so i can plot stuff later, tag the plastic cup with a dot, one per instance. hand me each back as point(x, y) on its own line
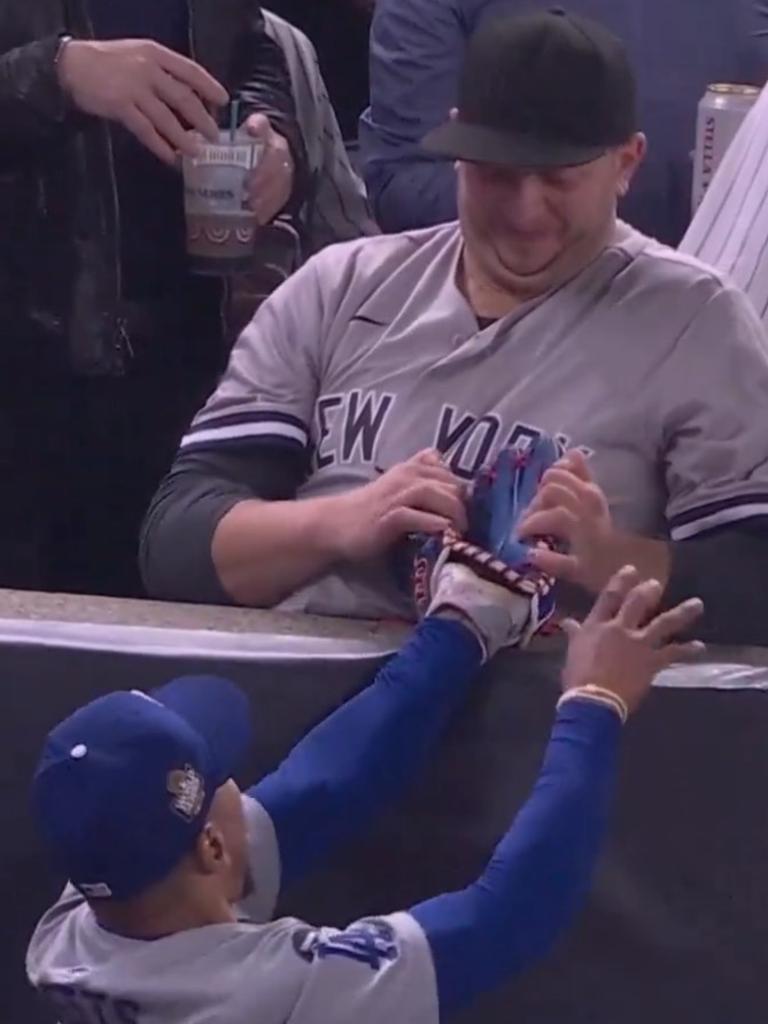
point(221, 230)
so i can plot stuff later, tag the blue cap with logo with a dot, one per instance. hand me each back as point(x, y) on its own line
point(124, 785)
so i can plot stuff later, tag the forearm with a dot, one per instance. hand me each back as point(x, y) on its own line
point(263, 551)
point(541, 871)
point(364, 755)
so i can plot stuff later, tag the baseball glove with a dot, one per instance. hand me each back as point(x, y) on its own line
point(491, 549)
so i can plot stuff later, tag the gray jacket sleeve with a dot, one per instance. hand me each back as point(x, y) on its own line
point(336, 207)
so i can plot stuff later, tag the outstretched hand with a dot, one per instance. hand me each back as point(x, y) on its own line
point(625, 641)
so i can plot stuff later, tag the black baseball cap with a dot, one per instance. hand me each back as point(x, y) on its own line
point(546, 89)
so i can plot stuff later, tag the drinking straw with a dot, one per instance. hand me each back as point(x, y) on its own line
point(234, 110)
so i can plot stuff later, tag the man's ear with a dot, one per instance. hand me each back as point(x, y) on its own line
point(631, 155)
point(210, 852)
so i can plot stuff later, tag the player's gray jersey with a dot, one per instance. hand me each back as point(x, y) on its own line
point(730, 228)
point(648, 359)
point(251, 972)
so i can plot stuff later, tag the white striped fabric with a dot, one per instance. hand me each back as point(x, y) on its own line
point(730, 229)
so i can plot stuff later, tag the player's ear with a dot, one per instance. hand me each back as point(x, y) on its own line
point(210, 852)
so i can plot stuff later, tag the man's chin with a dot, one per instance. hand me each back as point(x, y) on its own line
point(529, 269)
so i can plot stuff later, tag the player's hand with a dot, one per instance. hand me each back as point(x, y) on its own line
point(156, 94)
point(623, 643)
point(417, 496)
point(570, 507)
point(269, 186)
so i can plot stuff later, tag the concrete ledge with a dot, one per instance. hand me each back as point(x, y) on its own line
point(164, 629)
point(73, 608)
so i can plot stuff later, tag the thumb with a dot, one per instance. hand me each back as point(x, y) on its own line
point(570, 627)
point(258, 126)
point(429, 457)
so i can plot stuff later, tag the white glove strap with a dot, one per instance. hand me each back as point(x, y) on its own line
point(500, 617)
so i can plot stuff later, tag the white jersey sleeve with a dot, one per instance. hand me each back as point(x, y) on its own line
point(269, 389)
point(710, 391)
point(730, 228)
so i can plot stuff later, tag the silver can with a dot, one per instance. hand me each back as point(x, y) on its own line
point(721, 112)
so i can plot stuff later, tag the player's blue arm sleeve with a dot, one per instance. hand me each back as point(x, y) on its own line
point(541, 870)
point(348, 768)
point(415, 61)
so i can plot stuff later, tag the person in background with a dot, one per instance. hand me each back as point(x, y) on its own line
point(334, 205)
point(109, 344)
point(417, 50)
point(338, 29)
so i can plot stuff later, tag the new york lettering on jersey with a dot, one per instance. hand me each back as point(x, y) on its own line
point(350, 427)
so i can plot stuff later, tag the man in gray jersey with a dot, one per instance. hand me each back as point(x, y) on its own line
point(376, 382)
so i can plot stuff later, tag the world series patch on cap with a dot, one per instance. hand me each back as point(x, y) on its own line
point(124, 785)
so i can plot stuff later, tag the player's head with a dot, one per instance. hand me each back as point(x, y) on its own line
point(546, 141)
point(134, 792)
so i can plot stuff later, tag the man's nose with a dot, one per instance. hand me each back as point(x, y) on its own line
point(525, 202)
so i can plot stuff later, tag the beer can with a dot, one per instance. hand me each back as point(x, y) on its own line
point(721, 112)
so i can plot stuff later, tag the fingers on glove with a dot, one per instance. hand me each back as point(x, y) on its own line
point(402, 521)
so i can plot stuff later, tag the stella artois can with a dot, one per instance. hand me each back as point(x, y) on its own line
point(721, 112)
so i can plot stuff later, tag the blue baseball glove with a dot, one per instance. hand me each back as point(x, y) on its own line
point(491, 548)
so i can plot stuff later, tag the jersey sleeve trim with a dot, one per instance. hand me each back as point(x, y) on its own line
point(718, 513)
point(241, 428)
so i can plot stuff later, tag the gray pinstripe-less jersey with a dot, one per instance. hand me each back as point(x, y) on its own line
point(730, 229)
point(250, 972)
point(648, 359)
